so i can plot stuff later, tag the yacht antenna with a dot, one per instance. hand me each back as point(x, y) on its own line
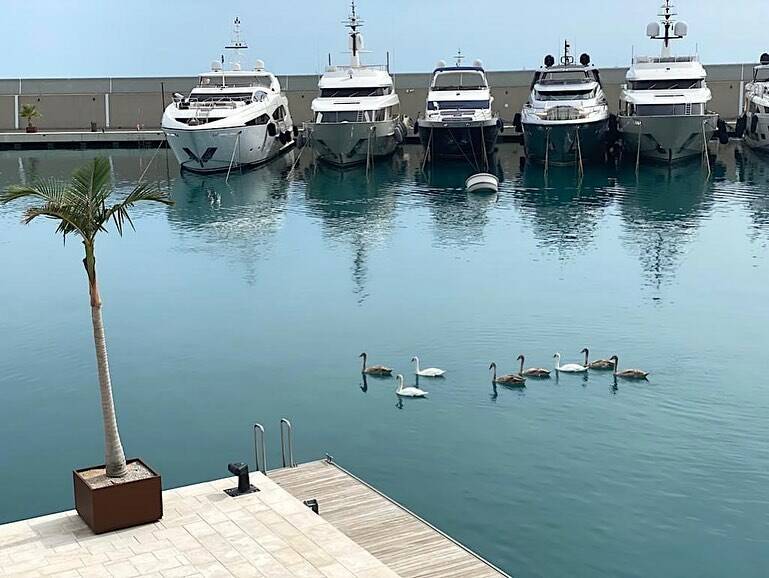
point(236, 45)
point(353, 22)
point(567, 58)
point(459, 57)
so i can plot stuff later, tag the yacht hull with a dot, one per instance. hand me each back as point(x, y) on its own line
point(468, 140)
point(351, 143)
point(667, 139)
point(563, 143)
point(757, 132)
point(213, 150)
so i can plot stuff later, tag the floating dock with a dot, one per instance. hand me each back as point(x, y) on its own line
point(395, 536)
point(359, 533)
point(81, 139)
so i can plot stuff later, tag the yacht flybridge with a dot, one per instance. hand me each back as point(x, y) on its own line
point(566, 118)
point(357, 112)
point(756, 119)
point(459, 121)
point(663, 107)
point(231, 118)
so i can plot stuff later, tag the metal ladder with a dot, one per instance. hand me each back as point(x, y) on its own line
point(286, 446)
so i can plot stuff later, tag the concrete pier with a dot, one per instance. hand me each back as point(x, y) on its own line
point(131, 103)
point(205, 532)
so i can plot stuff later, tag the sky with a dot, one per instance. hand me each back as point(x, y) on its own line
point(83, 38)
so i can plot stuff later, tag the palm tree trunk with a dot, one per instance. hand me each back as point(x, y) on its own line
point(114, 457)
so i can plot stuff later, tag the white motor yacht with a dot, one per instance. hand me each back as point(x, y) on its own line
point(566, 119)
point(663, 107)
point(755, 123)
point(357, 112)
point(232, 118)
point(459, 122)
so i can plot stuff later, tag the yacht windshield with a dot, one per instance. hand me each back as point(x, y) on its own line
point(235, 81)
point(565, 94)
point(564, 77)
point(762, 75)
point(462, 80)
point(341, 116)
point(353, 92)
point(665, 84)
point(457, 105)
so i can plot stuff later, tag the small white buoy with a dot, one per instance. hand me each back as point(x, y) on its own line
point(482, 183)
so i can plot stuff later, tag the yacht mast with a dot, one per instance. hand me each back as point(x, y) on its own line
point(670, 27)
point(353, 23)
point(236, 45)
point(459, 58)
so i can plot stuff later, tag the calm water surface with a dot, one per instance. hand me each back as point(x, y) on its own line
point(250, 300)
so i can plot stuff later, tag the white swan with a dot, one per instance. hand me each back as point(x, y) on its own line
point(569, 367)
point(429, 372)
point(408, 391)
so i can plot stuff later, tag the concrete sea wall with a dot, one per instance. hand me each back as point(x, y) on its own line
point(125, 103)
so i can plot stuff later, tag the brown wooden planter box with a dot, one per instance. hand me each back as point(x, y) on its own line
point(122, 505)
point(31, 129)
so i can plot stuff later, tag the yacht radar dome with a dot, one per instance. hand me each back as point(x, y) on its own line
point(584, 59)
point(478, 63)
point(765, 58)
point(667, 29)
point(259, 65)
point(441, 64)
point(216, 66)
point(549, 61)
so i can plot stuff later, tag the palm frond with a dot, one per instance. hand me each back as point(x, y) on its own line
point(68, 221)
point(49, 190)
point(147, 192)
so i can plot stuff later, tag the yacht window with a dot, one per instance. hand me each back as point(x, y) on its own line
point(762, 75)
point(667, 109)
point(280, 113)
point(665, 84)
point(342, 116)
point(565, 95)
point(353, 92)
point(464, 80)
point(261, 119)
point(221, 97)
point(380, 115)
point(457, 104)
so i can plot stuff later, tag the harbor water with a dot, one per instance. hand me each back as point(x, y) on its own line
point(250, 300)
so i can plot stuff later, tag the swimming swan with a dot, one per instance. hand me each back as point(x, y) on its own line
point(512, 379)
point(569, 367)
point(379, 370)
point(429, 372)
point(408, 391)
point(628, 373)
point(598, 363)
point(532, 371)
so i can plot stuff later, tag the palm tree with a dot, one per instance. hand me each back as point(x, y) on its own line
point(80, 208)
point(29, 111)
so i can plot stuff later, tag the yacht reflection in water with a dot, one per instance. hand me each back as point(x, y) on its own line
point(752, 188)
point(563, 211)
point(459, 217)
point(662, 207)
point(354, 207)
point(237, 217)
